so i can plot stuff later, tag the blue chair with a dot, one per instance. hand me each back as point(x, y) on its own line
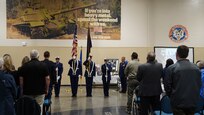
point(199, 108)
point(136, 103)
point(47, 107)
point(166, 106)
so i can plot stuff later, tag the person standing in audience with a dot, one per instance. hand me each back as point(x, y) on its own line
point(25, 60)
point(123, 78)
point(106, 77)
point(52, 73)
point(8, 92)
point(34, 78)
point(90, 72)
point(75, 72)
point(130, 73)
point(149, 75)
point(9, 67)
point(59, 71)
point(200, 64)
point(168, 63)
point(183, 83)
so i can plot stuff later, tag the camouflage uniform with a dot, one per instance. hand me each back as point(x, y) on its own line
point(131, 72)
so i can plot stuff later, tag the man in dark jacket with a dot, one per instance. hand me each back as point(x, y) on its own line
point(149, 76)
point(106, 77)
point(7, 92)
point(52, 72)
point(183, 83)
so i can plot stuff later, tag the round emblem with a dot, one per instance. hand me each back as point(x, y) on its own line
point(178, 33)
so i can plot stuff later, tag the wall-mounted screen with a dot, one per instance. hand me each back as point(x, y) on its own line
point(164, 53)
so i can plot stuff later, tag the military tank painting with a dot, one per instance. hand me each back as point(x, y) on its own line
point(50, 19)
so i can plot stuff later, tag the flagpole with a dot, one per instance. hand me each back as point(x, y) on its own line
point(80, 83)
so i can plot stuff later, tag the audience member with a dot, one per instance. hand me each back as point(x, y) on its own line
point(52, 73)
point(59, 70)
point(201, 66)
point(34, 78)
point(8, 92)
point(24, 60)
point(183, 83)
point(9, 67)
point(149, 75)
point(130, 73)
point(106, 77)
point(9, 56)
point(168, 63)
point(123, 78)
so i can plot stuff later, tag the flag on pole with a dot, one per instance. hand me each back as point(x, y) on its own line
point(81, 55)
point(75, 42)
point(89, 44)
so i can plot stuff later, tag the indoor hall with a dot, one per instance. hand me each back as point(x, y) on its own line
point(103, 30)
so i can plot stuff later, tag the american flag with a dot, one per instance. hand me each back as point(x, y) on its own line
point(75, 42)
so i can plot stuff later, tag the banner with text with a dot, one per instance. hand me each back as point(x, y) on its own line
point(57, 19)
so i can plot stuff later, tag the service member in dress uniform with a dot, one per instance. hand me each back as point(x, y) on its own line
point(122, 76)
point(75, 72)
point(106, 76)
point(90, 72)
point(59, 70)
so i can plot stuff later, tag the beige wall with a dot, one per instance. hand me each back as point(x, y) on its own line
point(99, 54)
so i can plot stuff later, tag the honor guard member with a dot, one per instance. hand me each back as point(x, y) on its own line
point(122, 76)
point(75, 72)
point(59, 70)
point(90, 72)
point(106, 76)
point(52, 72)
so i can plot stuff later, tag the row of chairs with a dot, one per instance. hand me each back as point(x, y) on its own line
point(165, 108)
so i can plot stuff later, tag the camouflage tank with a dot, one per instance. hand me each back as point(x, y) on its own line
point(40, 24)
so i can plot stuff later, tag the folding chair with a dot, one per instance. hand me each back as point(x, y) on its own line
point(166, 106)
point(199, 108)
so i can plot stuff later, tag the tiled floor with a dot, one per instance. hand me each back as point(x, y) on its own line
point(115, 104)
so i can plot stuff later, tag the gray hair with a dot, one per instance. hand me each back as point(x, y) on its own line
point(34, 54)
point(200, 64)
point(1, 63)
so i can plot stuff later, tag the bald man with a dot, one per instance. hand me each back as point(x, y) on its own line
point(149, 75)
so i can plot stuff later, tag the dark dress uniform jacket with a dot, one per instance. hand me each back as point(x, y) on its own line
point(183, 83)
point(75, 68)
point(149, 76)
point(106, 71)
point(52, 70)
point(122, 69)
point(60, 68)
point(7, 94)
point(90, 68)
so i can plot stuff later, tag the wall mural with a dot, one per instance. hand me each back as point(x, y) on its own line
point(58, 19)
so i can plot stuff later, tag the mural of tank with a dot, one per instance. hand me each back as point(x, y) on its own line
point(40, 24)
